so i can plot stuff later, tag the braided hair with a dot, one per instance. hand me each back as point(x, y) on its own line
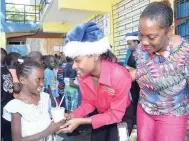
point(24, 67)
point(160, 12)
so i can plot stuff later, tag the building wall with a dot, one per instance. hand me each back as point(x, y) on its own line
point(3, 40)
point(42, 42)
point(126, 15)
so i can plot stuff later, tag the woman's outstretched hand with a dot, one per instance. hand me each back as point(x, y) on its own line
point(70, 125)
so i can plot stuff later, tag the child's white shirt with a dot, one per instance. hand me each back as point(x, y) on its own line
point(34, 119)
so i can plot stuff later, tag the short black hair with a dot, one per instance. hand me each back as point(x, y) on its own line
point(109, 56)
point(49, 56)
point(24, 69)
point(12, 58)
point(69, 60)
point(3, 55)
point(160, 12)
point(35, 55)
point(136, 41)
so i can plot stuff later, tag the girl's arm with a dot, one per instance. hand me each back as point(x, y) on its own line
point(17, 133)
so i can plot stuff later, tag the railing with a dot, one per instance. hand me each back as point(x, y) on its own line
point(22, 13)
point(43, 4)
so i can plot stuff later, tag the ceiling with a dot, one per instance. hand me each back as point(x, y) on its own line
point(17, 34)
point(53, 15)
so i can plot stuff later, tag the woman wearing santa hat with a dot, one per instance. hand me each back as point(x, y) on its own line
point(104, 85)
point(132, 42)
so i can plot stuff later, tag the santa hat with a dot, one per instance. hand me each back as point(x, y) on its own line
point(132, 36)
point(86, 39)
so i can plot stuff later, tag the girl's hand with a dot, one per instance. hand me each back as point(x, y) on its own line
point(70, 125)
point(54, 127)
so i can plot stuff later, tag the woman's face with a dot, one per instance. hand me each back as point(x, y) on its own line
point(152, 36)
point(132, 44)
point(84, 65)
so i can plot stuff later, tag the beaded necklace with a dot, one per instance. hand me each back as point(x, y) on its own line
point(158, 58)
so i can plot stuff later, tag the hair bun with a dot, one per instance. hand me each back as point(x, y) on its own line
point(20, 60)
point(166, 2)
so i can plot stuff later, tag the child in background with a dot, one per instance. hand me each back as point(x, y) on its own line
point(50, 80)
point(6, 96)
point(71, 91)
point(11, 60)
point(55, 71)
point(28, 113)
point(60, 76)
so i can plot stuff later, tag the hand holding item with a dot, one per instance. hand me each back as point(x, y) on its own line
point(70, 125)
point(54, 127)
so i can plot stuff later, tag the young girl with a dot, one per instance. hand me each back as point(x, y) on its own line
point(29, 112)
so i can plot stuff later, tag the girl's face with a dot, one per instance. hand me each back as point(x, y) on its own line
point(85, 65)
point(152, 36)
point(34, 82)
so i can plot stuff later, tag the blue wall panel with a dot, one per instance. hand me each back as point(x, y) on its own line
point(22, 49)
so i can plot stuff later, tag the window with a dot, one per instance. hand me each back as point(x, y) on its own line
point(16, 43)
point(182, 18)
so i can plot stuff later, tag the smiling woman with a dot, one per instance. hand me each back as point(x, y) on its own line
point(162, 73)
point(104, 85)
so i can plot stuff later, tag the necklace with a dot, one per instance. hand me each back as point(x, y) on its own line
point(159, 58)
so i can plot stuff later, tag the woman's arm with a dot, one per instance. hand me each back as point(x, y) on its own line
point(86, 106)
point(17, 133)
point(72, 124)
